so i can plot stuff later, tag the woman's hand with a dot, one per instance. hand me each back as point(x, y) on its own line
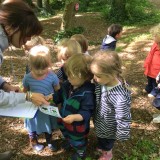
point(39, 99)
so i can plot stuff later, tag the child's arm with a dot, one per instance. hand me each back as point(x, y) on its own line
point(56, 87)
point(85, 112)
point(72, 118)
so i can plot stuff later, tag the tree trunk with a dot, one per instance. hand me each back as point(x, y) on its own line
point(118, 9)
point(68, 19)
point(39, 3)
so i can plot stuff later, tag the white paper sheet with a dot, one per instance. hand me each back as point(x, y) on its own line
point(24, 110)
point(51, 110)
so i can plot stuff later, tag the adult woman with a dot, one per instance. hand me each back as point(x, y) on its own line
point(18, 24)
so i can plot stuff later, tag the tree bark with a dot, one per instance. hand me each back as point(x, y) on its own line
point(118, 9)
point(39, 3)
point(68, 19)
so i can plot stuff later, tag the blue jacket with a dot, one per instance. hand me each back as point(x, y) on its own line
point(79, 101)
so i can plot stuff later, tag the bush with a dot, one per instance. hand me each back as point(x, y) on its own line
point(67, 33)
point(136, 11)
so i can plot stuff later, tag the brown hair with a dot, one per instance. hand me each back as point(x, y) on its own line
point(79, 65)
point(114, 29)
point(67, 48)
point(19, 16)
point(80, 38)
point(39, 58)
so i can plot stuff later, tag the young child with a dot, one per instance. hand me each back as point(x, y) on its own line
point(114, 33)
point(66, 48)
point(36, 40)
point(112, 114)
point(81, 39)
point(152, 63)
point(40, 80)
point(78, 99)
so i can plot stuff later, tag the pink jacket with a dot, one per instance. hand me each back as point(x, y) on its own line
point(152, 62)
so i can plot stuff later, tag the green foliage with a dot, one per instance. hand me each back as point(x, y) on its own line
point(136, 11)
point(57, 4)
point(67, 33)
point(92, 5)
point(142, 150)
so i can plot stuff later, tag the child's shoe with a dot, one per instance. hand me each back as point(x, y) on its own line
point(35, 145)
point(106, 155)
point(52, 147)
point(156, 119)
point(78, 156)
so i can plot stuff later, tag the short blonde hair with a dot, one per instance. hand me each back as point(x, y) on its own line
point(155, 31)
point(67, 48)
point(78, 65)
point(108, 62)
point(39, 57)
point(35, 40)
point(81, 39)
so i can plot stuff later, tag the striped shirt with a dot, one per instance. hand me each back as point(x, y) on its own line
point(112, 115)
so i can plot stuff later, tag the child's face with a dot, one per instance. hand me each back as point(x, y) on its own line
point(40, 73)
point(102, 79)
point(119, 35)
point(157, 39)
point(75, 81)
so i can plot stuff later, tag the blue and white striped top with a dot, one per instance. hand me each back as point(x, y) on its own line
point(112, 115)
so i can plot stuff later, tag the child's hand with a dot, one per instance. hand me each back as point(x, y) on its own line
point(158, 85)
point(69, 119)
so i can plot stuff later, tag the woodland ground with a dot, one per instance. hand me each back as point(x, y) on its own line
point(133, 48)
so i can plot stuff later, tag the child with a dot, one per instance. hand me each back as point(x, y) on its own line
point(112, 115)
point(43, 81)
point(77, 97)
point(152, 63)
point(80, 38)
point(29, 44)
point(66, 49)
point(114, 33)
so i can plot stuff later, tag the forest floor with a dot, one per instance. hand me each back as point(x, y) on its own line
point(132, 48)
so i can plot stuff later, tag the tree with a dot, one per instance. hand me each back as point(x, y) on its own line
point(68, 19)
point(39, 3)
point(118, 10)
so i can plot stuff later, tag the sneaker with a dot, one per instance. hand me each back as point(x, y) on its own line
point(77, 156)
point(38, 147)
point(150, 95)
point(52, 147)
point(106, 155)
point(156, 119)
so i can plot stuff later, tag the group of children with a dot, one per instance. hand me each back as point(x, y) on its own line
point(83, 87)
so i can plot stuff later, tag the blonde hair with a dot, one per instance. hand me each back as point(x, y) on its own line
point(39, 58)
point(80, 38)
point(67, 48)
point(155, 31)
point(109, 63)
point(36, 40)
point(79, 66)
